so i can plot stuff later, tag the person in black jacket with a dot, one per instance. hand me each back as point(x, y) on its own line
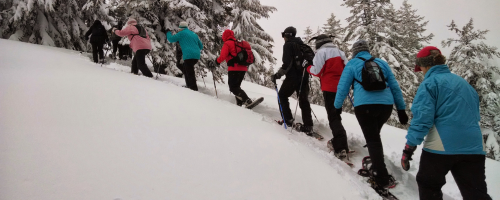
point(295, 81)
point(115, 39)
point(98, 37)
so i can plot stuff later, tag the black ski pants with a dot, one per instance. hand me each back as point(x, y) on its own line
point(97, 51)
point(289, 86)
point(189, 74)
point(339, 140)
point(371, 118)
point(234, 81)
point(139, 63)
point(468, 171)
point(115, 46)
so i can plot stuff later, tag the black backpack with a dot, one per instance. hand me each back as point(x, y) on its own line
point(372, 76)
point(303, 52)
point(142, 32)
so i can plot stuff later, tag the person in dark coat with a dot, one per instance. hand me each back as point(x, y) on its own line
point(115, 39)
point(296, 81)
point(98, 36)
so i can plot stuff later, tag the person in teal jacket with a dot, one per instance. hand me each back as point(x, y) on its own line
point(191, 49)
point(446, 110)
point(372, 108)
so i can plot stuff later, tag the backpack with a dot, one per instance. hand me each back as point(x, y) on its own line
point(372, 76)
point(142, 32)
point(244, 56)
point(303, 52)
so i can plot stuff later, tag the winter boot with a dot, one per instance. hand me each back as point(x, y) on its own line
point(342, 155)
point(306, 129)
point(238, 101)
point(101, 60)
point(289, 123)
point(386, 182)
point(247, 102)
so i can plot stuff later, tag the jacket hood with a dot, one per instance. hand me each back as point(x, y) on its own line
point(132, 21)
point(227, 35)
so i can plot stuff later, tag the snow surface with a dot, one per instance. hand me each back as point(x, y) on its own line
point(71, 129)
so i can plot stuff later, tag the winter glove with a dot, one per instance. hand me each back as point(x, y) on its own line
point(403, 118)
point(113, 30)
point(407, 153)
point(217, 63)
point(305, 64)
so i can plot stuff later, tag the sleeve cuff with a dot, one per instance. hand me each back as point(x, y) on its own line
point(411, 143)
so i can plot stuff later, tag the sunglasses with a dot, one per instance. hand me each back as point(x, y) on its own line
point(283, 34)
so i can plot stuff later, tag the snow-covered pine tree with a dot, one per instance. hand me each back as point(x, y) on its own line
point(245, 27)
point(46, 22)
point(469, 59)
point(374, 22)
point(334, 28)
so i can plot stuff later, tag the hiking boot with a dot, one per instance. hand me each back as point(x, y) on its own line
point(289, 123)
point(247, 102)
point(342, 155)
point(386, 182)
point(306, 129)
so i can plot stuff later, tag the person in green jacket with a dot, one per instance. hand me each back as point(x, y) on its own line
point(191, 49)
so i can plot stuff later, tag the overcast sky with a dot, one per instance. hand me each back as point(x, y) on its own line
point(439, 13)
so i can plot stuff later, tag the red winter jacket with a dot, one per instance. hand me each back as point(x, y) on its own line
point(229, 51)
point(329, 63)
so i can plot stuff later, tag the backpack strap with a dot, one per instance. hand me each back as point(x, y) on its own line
point(364, 60)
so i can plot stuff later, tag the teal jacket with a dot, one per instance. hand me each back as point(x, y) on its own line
point(190, 43)
point(446, 110)
point(392, 94)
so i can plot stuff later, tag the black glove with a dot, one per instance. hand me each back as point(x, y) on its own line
point(403, 118)
point(339, 111)
point(217, 63)
point(273, 79)
point(405, 159)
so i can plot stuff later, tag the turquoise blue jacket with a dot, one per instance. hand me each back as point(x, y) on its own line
point(190, 43)
point(446, 110)
point(392, 94)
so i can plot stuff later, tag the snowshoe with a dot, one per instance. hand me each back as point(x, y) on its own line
point(307, 130)
point(251, 104)
point(288, 124)
point(384, 193)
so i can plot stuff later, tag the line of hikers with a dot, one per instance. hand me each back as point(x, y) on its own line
point(445, 108)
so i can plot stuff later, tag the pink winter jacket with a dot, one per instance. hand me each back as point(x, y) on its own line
point(138, 42)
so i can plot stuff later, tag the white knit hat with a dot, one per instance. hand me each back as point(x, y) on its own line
point(183, 25)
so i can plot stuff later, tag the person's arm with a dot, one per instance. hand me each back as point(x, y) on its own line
point(424, 109)
point(395, 89)
point(173, 38)
point(287, 58)
point(224, 52)
point(318, 63)
point(129, 30)
point(344, 86)
point(88, 33)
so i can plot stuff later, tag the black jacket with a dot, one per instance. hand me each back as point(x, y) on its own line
point(99, 34)
point(289, 61)
point(115, 37)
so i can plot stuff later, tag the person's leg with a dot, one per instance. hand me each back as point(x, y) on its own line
point(431, 175)
point(189, 74)
point(101, 52)
point(286, 90)
point(469, 174)
point(141, 62)
point(95, 53)
point(339, 140)
point(135, 69)
point(234, 81)
point(304, 104)
point(115, 46)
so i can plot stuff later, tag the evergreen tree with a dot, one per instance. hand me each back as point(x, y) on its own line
point(333, 28)
point(469, 59)
point(245, 27)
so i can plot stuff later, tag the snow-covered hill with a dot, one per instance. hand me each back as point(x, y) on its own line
point(70, 129)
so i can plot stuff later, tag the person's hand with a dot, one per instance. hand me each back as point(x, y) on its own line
point(113, 30)
point(339, 111)
point(305, 64)
point(407, 153)
point(403, 118)
point(273, 78)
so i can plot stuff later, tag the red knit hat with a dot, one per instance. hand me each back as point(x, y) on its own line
point(423, 57)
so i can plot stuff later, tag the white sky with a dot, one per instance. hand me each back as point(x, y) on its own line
point(439, 13)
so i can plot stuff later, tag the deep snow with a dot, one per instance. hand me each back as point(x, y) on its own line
point(71, 129)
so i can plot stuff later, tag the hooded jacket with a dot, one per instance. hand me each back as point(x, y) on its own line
point(391, 95)
point(329, 62)
point(136, 42)
point(446, 110)
point(99, 34)
point(290, 51)
point(228, 51)
point(190, 43)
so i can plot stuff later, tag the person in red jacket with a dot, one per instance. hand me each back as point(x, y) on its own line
point(236, 73)
point(329, 63)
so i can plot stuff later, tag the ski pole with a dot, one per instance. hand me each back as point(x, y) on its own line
point(158, 70)
point(279, 103)
point(300, 90)
point(215, 86)
point(311, 108)
point(350, 98)
point(203, 81)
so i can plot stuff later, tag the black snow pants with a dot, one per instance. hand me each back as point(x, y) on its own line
point(339, 140)
point(468, 171)
point(289, 86)
point(115, 46)
point(97, 51)
point(234, 81)
point(371, 118)
point(139, 63)
point(189, 74)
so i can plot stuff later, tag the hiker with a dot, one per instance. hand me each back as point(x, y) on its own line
point(115, 39)
point(140, 44)
point(296, 81)
point(372, 106)
point(446, 110)
point(191, 47)
point(236, 73)
point(98, 36)
point(329, 62)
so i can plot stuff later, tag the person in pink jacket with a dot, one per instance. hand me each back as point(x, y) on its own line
point(140, 44)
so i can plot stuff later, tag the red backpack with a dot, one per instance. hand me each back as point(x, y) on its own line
point(244, 55)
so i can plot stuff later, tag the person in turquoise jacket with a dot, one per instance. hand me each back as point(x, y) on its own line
point(191, 49)
point(446, 118)
point(372, 108)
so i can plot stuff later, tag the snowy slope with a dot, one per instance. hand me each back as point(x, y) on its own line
point(73, 130)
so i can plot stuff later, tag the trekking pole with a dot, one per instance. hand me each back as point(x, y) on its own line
point(350, 98)
point(215, 86)
point(298, 96)
point(157, 71)
point(279, 103)
point(311, 108)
